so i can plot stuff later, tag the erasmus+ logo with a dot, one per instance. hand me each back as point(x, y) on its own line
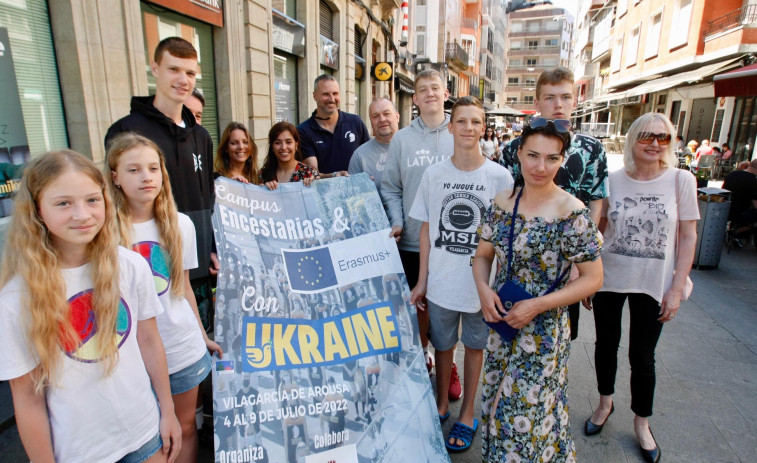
point(309, 270)
point(271, 344)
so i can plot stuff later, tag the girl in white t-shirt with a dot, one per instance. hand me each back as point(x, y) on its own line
point(78, 335)
point(150, 225)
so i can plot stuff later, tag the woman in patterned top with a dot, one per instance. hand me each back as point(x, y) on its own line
point(525, 407)
point(284, 161)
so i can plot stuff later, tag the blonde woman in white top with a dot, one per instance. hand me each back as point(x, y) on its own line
point(651, 211)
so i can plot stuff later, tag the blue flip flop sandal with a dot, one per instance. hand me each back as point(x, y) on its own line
point(443, 418)
point(463, 432)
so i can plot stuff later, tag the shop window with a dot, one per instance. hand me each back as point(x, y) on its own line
point(285, 87)
point(32, 120)
point(159, 24)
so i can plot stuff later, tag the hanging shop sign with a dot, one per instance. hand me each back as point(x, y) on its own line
point(209, 11)
point(329, 52)
point(383, 71)
point(288, 34)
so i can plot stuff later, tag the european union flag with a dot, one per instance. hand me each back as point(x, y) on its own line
point(310, 269)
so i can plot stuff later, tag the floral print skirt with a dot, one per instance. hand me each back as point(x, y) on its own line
point(525, 406)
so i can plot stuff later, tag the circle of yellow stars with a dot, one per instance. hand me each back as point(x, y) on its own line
point(302, 277)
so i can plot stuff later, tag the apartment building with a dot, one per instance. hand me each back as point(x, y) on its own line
point(662, 55)
point(538, 38)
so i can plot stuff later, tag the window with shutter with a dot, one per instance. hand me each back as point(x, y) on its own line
point(326, 20)
point(31, 48)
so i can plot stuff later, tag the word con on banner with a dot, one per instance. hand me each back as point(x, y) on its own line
point(271, 344)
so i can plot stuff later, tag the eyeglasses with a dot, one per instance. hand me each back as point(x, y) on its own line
point(646, 138)
point(561, 125)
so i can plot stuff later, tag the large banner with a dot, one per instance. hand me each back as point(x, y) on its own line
point(322, 360)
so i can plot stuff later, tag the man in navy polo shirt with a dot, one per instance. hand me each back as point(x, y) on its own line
point(330, 136)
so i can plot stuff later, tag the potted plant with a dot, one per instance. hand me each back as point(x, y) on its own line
point(702, 178)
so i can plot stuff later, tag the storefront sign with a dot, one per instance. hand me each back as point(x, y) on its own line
point(14, 147)
point(329, 52)
point(322, 360)
point(383, 71)
point(288, 34)
point(403, 84)
point(209, 11)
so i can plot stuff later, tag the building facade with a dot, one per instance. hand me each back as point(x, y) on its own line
point(662, 55)
point(538, 39)
point(70, 67)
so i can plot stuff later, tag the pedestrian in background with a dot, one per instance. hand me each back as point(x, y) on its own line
point(490, 145)
point(649, 224)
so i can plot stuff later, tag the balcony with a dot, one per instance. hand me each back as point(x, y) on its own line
point(514, 87)
point(474, 90)
point(389, 5)
point(520, 68)
point(534, 51)
point(521, 105)
point(740, 17)
point(536, 32)
point(469, 23)
point(456, 56)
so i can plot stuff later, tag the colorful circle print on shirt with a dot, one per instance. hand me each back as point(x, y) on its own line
point(85, 325)
point(157, 257)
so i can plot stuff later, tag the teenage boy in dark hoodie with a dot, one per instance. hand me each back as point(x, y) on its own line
point(187, 147)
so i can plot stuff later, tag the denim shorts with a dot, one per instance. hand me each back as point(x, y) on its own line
point(143, 453)
point(191, 376)
point(445, 323)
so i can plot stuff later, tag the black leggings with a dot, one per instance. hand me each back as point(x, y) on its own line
point(644, 334)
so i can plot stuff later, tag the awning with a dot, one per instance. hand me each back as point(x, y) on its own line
point(739, 82)
point(689, 77)
point(505, 111)
point(609, 97)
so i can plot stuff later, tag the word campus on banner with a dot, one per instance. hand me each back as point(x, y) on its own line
point(322, 359)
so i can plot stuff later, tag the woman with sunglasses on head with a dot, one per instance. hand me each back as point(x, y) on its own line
point(490, 144)
point(537, 232)
point(649, 225)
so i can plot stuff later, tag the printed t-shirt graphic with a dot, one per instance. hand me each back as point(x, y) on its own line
point(641, 226)
point(157, 257)
point(85, 325)
point(460, 215)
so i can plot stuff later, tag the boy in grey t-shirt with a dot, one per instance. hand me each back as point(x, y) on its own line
point(452, 197)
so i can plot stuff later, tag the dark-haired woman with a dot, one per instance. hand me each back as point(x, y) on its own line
point(237, 156)
point(284, 162)
point(490, 144)
point(541, 230)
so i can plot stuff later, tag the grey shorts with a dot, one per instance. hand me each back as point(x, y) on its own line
point(445, 324)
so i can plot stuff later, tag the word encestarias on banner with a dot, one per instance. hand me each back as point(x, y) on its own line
point(322, 359)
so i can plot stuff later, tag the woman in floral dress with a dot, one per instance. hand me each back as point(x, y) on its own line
point(525, 407)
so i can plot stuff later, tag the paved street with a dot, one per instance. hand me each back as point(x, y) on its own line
point(705, 406)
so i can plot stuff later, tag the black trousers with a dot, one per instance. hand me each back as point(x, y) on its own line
point(644, 334)
point(574, 310)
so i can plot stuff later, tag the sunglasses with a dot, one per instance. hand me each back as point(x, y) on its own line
point(561, 125)
point(646, 138)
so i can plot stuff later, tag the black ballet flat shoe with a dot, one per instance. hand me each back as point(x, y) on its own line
point(591, 429)
point(651, 456)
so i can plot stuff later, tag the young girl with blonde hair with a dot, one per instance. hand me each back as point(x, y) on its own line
point(150, 225)
point(78, 334)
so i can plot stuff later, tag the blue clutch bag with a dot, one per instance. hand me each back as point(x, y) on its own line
point(509, 293)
